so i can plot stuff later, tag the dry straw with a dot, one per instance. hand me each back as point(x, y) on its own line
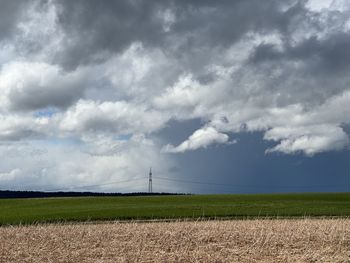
point(292, 240)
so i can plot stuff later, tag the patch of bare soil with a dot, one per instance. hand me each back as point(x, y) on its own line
point(300, 240)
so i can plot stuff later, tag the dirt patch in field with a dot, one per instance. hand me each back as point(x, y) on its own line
point(304, 240)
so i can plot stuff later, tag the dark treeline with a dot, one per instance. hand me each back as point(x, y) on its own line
point(38, 194)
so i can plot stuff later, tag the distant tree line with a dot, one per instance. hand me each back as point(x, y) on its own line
point(39, 194)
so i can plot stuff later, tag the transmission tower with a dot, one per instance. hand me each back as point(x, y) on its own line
point(150, 181)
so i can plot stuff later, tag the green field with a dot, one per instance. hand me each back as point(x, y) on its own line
point(25, 211)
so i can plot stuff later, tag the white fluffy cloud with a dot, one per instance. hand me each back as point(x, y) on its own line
point(309, 139)
point(201, 138)
point(16, 127)
point(117, 118)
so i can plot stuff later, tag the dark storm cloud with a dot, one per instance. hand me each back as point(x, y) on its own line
point(10, 13)
point(33, 100)
point(234, 18)
point(95, 29)
point(331, 55)
point(34, 86)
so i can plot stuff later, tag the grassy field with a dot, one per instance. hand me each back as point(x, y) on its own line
point(26, 211)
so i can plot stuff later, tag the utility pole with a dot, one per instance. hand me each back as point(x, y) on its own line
point(150, 181)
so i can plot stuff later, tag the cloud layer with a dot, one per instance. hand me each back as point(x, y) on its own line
point(106, 73)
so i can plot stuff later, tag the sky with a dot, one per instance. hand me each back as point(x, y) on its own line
point(227, 96)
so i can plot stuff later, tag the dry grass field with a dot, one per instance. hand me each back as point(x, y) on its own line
point(285, 240)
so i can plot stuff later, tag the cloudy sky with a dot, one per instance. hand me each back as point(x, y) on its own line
point(217, 96)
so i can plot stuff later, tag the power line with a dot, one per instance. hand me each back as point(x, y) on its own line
point(197, 183)
point(96, 185)
point(249, 186)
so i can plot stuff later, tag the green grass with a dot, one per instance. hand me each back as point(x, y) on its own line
point(44, 210)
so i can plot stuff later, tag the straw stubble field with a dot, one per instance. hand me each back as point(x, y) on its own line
point(284, 240)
